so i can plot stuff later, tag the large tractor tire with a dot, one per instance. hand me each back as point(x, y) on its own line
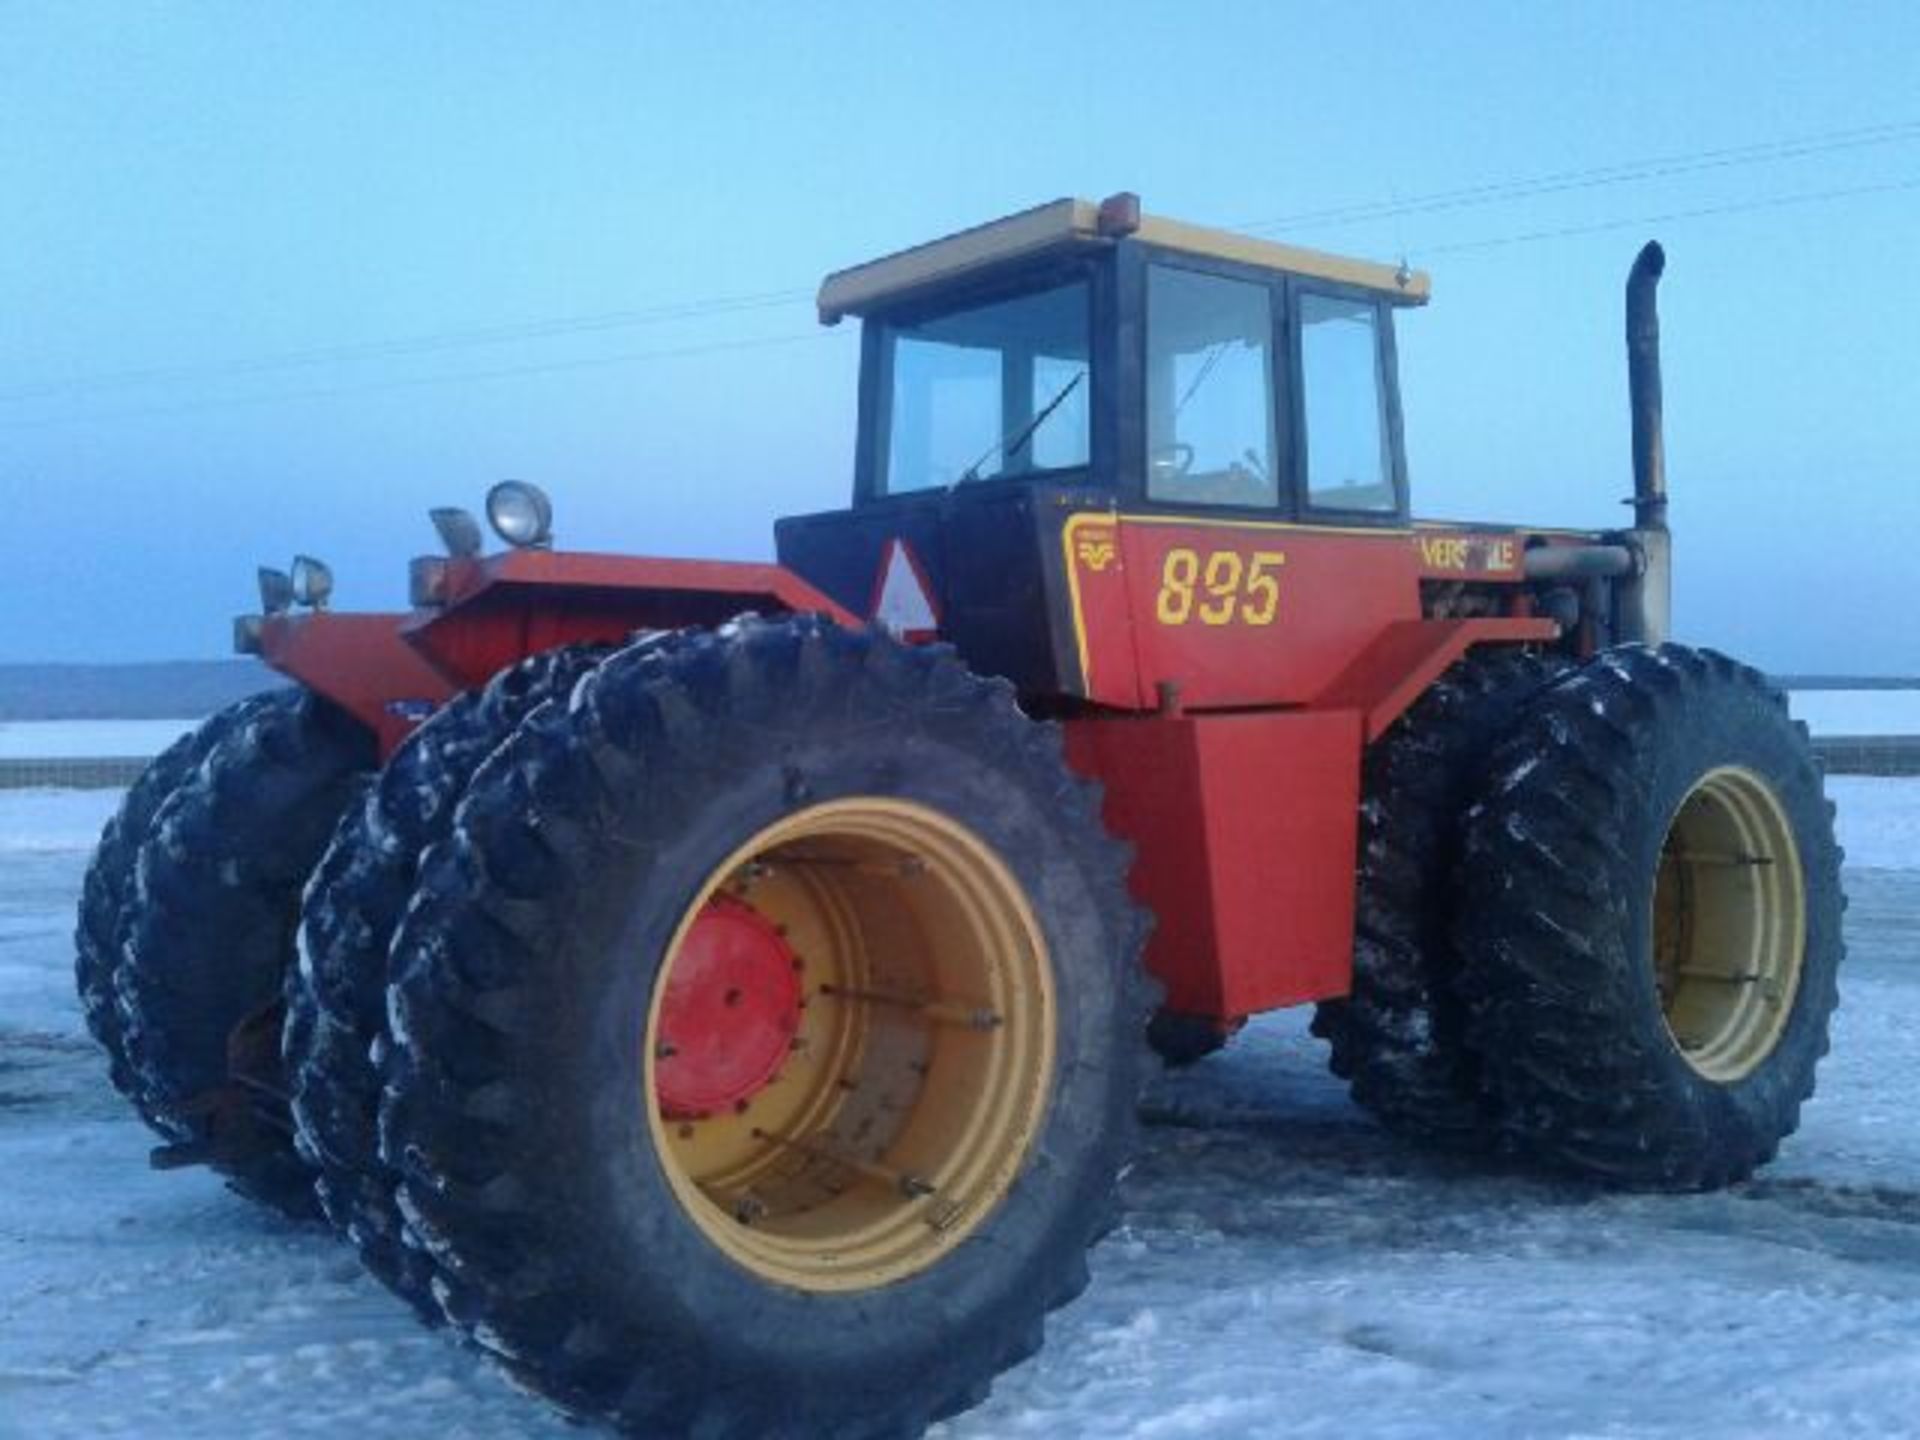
point(211, 936)
point(336, 1025)
point(1650, 921)
point(767, 1040)
point(1398, 1038)
point(106, 896)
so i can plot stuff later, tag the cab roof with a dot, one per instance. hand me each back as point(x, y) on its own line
point(1066, 225)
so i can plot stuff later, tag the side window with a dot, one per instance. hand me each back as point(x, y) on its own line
point(946, 409)
point(1210, 428)
point(1348, 466)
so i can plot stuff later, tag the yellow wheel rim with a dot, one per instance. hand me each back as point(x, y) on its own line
point(920, 1065)
point(1729, 924)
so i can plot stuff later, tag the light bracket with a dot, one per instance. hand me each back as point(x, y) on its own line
point(276, 590)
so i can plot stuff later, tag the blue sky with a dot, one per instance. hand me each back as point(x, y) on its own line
point(280, 277)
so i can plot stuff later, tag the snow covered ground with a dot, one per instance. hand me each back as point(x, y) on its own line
point(1283, 1267)
point(1878, 820)
point(87, 739)
point(1858, 712)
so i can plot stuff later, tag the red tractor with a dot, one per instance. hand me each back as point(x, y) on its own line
point(722, 991)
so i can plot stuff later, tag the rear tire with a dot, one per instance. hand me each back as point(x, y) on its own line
point(1399, 1038)
point(1181, 1040)
point(1650, 923)
point(106, 896)
point(523, 1108)
point(211, 937)
point(336, 1026)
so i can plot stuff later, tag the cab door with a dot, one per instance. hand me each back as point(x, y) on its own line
point(1260, 540)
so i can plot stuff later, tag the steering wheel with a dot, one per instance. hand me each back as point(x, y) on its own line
point(1172, 461)
point(1250, 481)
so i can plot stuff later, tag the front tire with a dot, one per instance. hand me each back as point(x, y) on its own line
point(847, 1218)
point(1398, 1038)
point(1650, 923)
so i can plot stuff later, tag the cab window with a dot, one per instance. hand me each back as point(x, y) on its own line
point(1210, 411)
point(1343, 409)
point(989, 392)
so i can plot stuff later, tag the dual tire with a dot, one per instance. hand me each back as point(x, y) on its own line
point(917, 1189)
point(494, 974)
point(1599, 921)
point(1649, 928)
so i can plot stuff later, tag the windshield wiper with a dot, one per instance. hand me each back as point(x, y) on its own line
point(1015, 441)
point(1206, 369)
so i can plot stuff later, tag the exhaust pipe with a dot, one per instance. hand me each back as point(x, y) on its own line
point(1643, 604)
point(1643, 389)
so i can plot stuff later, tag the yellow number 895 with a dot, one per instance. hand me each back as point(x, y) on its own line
point(1227, 586)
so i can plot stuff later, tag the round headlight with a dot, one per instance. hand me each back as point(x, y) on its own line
point(520, 513)
point(312, 581)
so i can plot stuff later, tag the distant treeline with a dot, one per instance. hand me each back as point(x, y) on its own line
point(184, 689)
point(167, 690)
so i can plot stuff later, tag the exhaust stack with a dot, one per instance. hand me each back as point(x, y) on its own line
point(1643, 605)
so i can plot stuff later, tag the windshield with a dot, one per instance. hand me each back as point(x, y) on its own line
point(995, 391)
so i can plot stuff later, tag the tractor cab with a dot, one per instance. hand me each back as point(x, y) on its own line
point(1166, 364)
point(1079, 358)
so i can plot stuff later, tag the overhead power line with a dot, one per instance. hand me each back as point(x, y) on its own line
point(409, 345)
point(551, 367)
point(1596, 177)
point(1740, 207)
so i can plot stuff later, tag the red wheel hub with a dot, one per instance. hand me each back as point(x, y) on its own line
point(729, 1016)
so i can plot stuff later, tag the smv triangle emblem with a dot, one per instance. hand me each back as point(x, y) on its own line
point(903, 602)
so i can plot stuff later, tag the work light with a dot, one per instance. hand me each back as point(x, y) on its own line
point(312, 582)
point(520, 514)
